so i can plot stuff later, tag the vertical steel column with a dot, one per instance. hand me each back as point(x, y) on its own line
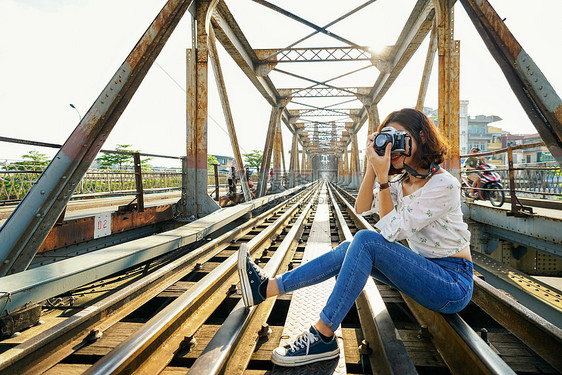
point(448, 83)
point(309, 166)
point(431, 50)
point(268, 149)
point(282, 150)
point(24, 231)
point(217, 185)
point(297, 166)
point(356, 167)
point(276, 180)
point(198, 203)
point(240, 170)
point(304, 171)
point(339, 159)
point(374, 122)
point(347, 170)
point(138, 182)
point(293, 162)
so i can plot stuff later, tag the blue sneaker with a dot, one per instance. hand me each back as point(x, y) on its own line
point(252, 278)
point(307, 348)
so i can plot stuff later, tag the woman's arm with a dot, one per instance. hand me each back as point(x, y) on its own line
point(377, 168)
point(381, 166)
point(364, 200)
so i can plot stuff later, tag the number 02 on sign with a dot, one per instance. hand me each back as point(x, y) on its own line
point(102, 225)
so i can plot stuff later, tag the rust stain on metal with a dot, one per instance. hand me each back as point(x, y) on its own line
point(159, 24)
point(80, 230)
point(489, 15)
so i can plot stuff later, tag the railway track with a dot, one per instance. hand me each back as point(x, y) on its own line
point(184, 314)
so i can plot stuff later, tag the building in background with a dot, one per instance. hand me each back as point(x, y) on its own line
point(534, 156)
point(479, 134)
point(225, 162)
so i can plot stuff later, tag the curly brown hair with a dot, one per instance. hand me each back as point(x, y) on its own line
point(431, 150)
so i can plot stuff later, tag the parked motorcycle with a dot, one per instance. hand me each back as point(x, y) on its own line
point(489, 181)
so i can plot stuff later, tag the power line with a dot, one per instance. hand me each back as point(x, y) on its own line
point(185, 92)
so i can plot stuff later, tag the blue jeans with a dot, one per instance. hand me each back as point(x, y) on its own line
point(439, 284)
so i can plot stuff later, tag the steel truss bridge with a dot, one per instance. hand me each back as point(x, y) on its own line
point(147, 282)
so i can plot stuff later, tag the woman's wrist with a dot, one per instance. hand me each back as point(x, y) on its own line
point(382, 179)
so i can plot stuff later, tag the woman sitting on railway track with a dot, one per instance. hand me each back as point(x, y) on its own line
point(422, 206)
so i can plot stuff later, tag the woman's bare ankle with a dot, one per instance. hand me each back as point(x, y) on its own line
point(272, 289)
point(323, 328)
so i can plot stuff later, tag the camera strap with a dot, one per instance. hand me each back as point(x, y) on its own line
point(412, 172)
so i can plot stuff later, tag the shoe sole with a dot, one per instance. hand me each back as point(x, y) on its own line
point(242, 273)
point(295, 361)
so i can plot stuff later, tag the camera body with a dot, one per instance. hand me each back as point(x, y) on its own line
point(390, 135)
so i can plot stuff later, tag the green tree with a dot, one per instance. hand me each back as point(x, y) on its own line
point(119, 161)
point(253, 159)
point(211, 159)
point(34, 158)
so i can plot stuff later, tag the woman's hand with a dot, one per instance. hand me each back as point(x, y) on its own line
point(380, 164)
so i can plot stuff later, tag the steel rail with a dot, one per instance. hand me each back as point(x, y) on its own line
point(50, 346)
point(541, 336)
point(216, 353)
point(139, 346)
point(36, 285)
point(461, 349)
point(389, 353)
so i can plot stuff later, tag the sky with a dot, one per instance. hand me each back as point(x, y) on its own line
point(57, 52)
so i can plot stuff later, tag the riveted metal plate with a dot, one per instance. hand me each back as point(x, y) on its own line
point(307, 303)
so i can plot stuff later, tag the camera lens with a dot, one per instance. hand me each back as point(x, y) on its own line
point(381, 140)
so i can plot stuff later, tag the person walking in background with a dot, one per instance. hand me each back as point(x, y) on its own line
point(232, 180)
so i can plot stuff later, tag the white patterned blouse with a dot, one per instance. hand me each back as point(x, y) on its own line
point(430, 218)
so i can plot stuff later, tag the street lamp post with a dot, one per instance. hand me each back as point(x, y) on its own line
point(76, 109)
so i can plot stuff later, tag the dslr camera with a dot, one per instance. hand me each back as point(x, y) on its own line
point(395, 137)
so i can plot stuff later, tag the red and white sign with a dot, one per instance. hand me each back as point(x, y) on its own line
point(102, 225)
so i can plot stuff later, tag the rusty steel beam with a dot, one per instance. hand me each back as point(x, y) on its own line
point(241, 171)
point(417, 27)
point(414, 32)
point(305, 22)
point(29, 224)
point(323, 112)
point(431, 50)
point(75, 231)
point(325, 92)
point(268, 150)
point(313, 81)
point(338, 77)
point(138, 182)
point(355, 10)
point(230, 35)
point(316, 54)
point(536, 95)
point(449, 61)
point(197, 202)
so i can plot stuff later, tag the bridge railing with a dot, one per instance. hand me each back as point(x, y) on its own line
point(16, 178)
point(530, 180)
